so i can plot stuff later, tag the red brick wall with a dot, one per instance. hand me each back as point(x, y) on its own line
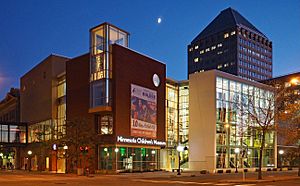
point(129, 68)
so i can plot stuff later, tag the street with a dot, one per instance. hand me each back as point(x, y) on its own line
point(151, 179)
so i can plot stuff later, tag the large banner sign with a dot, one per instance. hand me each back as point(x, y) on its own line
point(143, 112)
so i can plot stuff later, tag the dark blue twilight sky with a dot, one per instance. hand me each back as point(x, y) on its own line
point(31, 30)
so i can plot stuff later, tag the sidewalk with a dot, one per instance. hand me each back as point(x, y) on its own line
point(251, 177)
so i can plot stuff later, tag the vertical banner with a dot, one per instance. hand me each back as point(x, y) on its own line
point(143, 112)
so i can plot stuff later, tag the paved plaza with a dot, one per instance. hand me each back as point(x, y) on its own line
point(152, 179)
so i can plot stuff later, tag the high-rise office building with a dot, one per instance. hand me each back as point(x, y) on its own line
point(230, 43)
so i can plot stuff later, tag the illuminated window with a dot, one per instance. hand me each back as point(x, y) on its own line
point(232, 33)
point(191, 49)
point(196, 59)
point(220, 52)
point(226, 65)
point(105, 124)
point(207, 50)
point(196, 47)
point(226, 35)
point(220, 66)
point(213, 47)
point(61, 87)
point(220, 45)
point(201, 51)
point(60, 128)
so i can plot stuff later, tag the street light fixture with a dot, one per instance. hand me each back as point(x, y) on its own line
point(116, 151)
point(179, 149)
point(281, 152)
point(236, 151)
point(295, 81)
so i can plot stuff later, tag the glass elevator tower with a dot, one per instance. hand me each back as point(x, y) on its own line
point(101, 37)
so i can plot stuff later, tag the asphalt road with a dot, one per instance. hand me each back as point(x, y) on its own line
point(144, 179)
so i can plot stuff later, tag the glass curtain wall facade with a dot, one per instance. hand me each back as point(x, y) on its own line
point(177, 121)
point(12, 137)
point(10, 133)
point(40, 131)
point(184, 113)
point(60, 127)
point(236, 130)
point(172, 124)
point(184, 122)
point(100, 64)
point(129, 159)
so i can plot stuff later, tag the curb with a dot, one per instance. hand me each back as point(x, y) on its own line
point(258, 181)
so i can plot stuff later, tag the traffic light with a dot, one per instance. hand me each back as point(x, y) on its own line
point(84, 150)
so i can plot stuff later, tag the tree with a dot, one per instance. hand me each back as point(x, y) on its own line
point(258, 110)
point(80, 139)
point(289, 124)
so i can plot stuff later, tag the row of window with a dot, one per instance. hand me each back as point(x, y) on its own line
point(254, 46)
point(256, 61)
point(202, 51)
point(226, 35)
point(252, 74)
point(235, 86)
point(199, 59)
point(254, 67)
point(256, 38)
point(253, 53)
point(225, 65)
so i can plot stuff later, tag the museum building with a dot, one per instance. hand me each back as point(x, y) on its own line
point(118, 92)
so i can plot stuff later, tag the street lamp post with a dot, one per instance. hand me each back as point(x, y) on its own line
point(54, 147)
point(153, 157)
point(106, 158)
point(116, 151)
point(281, 152)
point(66, 157)
point(236, 151)
point(179, 149)
point(29, 154)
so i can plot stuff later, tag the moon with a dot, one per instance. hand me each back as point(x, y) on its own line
point(159, 20)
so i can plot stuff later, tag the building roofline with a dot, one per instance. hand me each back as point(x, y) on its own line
point(282, 76)
point(236, 78)
point(140, 53)
point(42, 61)
point(107, 23)
point(87, 53)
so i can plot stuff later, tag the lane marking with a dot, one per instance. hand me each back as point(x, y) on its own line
point(172, 182)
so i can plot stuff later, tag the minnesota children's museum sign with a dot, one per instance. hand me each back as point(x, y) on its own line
point(143, 141)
